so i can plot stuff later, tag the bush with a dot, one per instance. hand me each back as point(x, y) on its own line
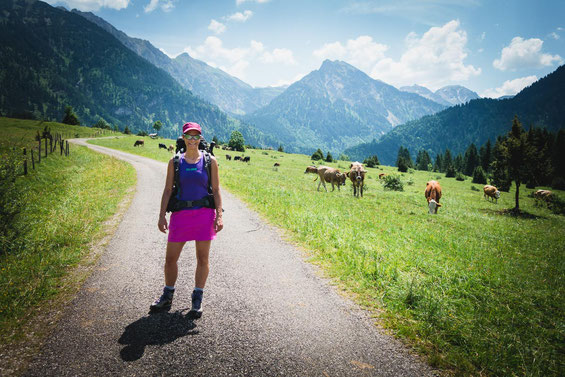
point(344, 157)
point(558, 183)
point(10, 201)
point(459, 176)
point(371, 162)
point(479, 175)
point(329, 157)
point(473, 188)
point(450, 172)
point(393, 182)
point(142, 133)
point(318, 155)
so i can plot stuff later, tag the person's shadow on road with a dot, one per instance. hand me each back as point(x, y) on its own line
point(154, 329)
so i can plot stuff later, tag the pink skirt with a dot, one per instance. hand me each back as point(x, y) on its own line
point(192, 225)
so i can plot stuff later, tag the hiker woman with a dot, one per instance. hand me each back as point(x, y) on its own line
point(196, 217)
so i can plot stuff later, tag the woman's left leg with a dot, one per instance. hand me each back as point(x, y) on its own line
point(202, 266)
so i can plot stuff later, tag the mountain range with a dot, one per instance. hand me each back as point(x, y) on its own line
point(335, 107)
point(51, 58)
point(212, 84)
point(542, 105)
point(448, 95)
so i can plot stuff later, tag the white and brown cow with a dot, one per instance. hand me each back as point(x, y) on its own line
point(546, 195)
point(491, 192)
point(357, 176)
point(433, 195)
point(333, 176)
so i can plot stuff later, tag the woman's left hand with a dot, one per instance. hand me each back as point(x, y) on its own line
point(218, 224)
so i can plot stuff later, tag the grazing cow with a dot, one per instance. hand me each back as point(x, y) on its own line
point(276, 164)
point(330, 175)
point(228, 157)
point(153, 136)
point(491, 192)
point(171, 148)
point(382, 175)
point(311, 169)
point(246, 159)
point(433, 194)
point(236, 158)
point(543, 194)
point(357, 176)
point(139, 142)
point(162, 146)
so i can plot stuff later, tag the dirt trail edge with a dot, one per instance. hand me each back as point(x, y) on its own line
point(266, 312)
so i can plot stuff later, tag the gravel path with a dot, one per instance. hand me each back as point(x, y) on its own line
point(266, 311)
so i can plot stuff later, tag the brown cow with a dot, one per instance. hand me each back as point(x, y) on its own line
point(382, 175)
point(357, 176)
point(331, 175)
point(228, 157)
point(543, 194)
point(171, 148)
point(311, 169)
point(433, 194)
point(139, 142)
point(492, 192)
point(276, 164)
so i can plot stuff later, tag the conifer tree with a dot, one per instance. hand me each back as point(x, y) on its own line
point(485, 155)
point(471, 160)
point(517, 155)
point(70, 117)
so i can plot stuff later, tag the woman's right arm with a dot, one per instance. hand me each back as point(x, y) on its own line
point(167, 191)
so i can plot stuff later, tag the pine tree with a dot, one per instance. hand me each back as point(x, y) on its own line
point(423, 160)
point(500, 177)
point(70, 117)
point(318, 155)
point(329, 157)
point(485, 155)
point(517, 156)
point(157, 125)
point(438, 164)
point(458, 163)
point(447, 161)
point(404, 154)
point(471, 160)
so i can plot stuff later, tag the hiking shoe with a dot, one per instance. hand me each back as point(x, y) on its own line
point(196, 310)
point(164, 302)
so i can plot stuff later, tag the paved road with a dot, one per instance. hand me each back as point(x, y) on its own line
point(266, 311)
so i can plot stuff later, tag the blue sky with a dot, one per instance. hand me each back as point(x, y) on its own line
point(494, 47)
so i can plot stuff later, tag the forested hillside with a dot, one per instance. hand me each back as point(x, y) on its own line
point(52, 58)
point(542, 105)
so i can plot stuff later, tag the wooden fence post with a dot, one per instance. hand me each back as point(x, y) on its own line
point(46, 147)
point(51, 145)
point(67, 148)
point(25, 162)
point(32, 160)
point(39, 152)
point(61, 144)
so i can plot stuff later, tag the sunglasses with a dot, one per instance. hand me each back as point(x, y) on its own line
point(192, 137)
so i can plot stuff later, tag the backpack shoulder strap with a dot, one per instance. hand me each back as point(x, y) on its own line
point(208, 167)
point(176, 163)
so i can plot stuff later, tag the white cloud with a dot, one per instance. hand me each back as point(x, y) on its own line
point(239, 2)
point(166, 5)
point(524, 53)
point(240, 17)
point(217, 27)
point(236, 61)
point(92, 5)
point(510, 87)
point(362, 52)
point(554, 35)
point(279, 55)
point(434, 60)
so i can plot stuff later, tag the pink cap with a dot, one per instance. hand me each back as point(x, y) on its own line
point(191, 126)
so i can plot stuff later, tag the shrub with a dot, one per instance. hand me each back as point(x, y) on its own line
point(450, 172)
point(473, 188)
point(142, 133)
point(371, 162)
point(393, 182)
point(410, 181)
point(10, 201)
point(459, 176)
point(479, 175)
point(318, 155)
point(329, 157)
point(237, 142)
point(344, 157)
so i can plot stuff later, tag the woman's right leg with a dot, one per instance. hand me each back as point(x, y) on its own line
point(171, 267)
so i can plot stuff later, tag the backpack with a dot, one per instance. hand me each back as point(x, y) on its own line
point(175, 204)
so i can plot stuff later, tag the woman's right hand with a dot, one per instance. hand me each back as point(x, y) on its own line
point(162, 224)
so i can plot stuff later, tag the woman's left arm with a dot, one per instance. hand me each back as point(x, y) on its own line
point(219, 224)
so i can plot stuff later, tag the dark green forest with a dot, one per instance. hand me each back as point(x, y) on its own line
point(52, 58)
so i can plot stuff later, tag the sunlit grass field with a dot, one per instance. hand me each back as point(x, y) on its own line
point(477, 290)
point(65, 203)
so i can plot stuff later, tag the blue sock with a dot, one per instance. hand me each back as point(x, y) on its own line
point(169, 288)
point(198, 289)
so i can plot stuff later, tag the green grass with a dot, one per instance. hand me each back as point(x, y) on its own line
point(65, 203)
point(477, 290)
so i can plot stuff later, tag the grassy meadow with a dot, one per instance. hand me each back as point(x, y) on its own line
point(477, 290)
point(64, 205)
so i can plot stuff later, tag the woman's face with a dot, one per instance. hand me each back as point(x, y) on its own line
point(190, 140)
